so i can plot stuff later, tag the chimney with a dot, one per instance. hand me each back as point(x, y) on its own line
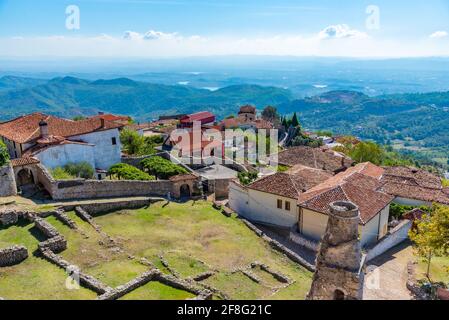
point(102, 122)
point(100, 113)
point(43, 128)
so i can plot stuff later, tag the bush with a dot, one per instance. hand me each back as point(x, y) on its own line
point(127, 172)
point(59, 173)
point(80, 170)
point(137, 145)
point(162, 168)
point(4, 155)
point(247, 177)
point(398, 210)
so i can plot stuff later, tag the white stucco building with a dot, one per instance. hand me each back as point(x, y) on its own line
point(56, 142)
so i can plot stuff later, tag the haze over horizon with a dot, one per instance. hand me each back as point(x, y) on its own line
point(155, 29)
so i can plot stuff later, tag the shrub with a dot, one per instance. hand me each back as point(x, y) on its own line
point(247, 177)
point(162, 168)
point(128, 172)
point(137, 145)
point(4, 155)
point(59, 173)
point(81, 170)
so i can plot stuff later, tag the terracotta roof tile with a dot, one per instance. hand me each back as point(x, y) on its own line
point(26, 128)
point(357, 184)
point(291, 183)
point(24, 161)
point(319, 158)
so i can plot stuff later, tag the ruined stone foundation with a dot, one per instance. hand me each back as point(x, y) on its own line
point(339, 274)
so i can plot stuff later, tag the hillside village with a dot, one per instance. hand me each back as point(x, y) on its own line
point(64, 175)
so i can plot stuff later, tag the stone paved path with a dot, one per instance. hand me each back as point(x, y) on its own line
point(387, 276)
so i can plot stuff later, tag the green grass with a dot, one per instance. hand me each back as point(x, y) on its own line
point(439, 269)
point(186, 234)
point(95, 258)
point(157, 291)
point(192, 238)
point(34, 278)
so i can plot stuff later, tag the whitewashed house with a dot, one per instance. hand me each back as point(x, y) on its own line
point(56, 141)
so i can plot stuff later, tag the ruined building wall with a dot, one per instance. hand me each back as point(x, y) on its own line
point(7, 181)
point(339, 272)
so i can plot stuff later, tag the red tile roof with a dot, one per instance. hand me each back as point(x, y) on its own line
point(413, 183)
point(204, 117)
point(319, 158)
point(291, 183)
point(357, 184)
point(247, 109)
point(26, 128)
point(24, 161)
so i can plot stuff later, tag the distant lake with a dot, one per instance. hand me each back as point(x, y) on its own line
point(320, 86)
point(211, 88)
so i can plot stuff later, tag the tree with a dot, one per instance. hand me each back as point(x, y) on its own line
point(78, 118)
point(367, 151)
point(247, 177)
point(431, 235)
point(81, 170)
point(4, 155)
point(295, 121)
point(137, 145)
point(128, 172)
point(162, 168)
point(270, 114)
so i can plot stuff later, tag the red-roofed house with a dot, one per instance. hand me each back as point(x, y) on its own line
point(204, 117)
point(56, 141)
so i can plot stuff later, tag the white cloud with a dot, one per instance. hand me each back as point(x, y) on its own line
point(150, 35)
point(439, 34)
point(347, 43)
point(340, 31)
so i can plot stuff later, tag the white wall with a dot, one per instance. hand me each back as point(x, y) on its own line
point(262, 207)
point(313, 226)
point(60, 155)
point(106, 154)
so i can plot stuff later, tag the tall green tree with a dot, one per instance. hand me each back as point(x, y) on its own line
point(367, 151)
point(431, 235)
point(295, 121)
point(271, 114)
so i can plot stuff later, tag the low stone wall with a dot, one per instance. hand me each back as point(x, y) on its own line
point(302, 241)
point(45, 227)
point(93, 189)
point(9, 217)
point(56, 244)
point(13, 255)
point(392, 239)
point(122, 290)
point(113, 205)
point(64, 218)
point(412, 284)
point(279, 247)
point(8, 185)
point(85, 280)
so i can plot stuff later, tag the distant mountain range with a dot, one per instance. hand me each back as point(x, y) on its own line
point(69, 96)
point(416, 122)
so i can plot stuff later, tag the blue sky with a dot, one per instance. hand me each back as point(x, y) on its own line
point(224, 27)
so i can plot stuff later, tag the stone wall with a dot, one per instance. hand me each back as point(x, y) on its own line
point(8, 185)
point(8, 217)
point(392, 239)
point(56, 244)
point(12, 255)
point(304, 242)
point(45, 227)
point(113, 205)
point(92, 189)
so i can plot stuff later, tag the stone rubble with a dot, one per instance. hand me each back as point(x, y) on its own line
point(13, 255)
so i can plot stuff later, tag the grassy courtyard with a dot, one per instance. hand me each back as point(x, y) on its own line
point(191, 238)
point(439, 269)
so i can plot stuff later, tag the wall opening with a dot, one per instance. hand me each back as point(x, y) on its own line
point(24, 177)
point(184, 191)
point(339, 295)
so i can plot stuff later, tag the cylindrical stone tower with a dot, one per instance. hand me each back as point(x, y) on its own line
point(339, 273)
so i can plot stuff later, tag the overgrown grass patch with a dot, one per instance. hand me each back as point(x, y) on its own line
point(155, 290)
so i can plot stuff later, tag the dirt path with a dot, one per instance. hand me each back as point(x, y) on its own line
point(387, 275)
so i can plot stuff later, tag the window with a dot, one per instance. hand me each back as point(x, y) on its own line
point(287, 205)
point(114, 141)
point(279, 204)
point(99, 177)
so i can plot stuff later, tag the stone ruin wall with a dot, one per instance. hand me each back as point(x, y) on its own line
point(13, 255)
point(8, 185)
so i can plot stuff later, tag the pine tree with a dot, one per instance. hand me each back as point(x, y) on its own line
point(295, 121)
